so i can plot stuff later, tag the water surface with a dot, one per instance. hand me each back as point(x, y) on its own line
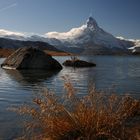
point(122, 73)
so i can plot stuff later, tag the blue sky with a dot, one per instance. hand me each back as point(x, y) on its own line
point(119, 17)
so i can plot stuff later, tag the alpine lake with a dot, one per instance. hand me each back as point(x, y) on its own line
point(118, 74)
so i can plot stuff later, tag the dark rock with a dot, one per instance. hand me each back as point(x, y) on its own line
point(78, 63)
point(30, 58)
point(136, 50)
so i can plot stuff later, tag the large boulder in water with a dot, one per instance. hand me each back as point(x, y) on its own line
point(30, 58)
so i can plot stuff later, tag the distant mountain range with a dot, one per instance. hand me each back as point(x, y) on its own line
point(87, 39)
point(7, 46)
point(14, 44)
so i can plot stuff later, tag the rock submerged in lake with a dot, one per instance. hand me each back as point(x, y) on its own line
point(78, 63)
point(30, 58)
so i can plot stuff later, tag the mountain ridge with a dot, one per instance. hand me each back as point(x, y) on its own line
point(90, 36)
point(7, 46)
point(87, 38)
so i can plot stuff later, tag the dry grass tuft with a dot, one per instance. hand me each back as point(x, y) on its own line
point(96, 116)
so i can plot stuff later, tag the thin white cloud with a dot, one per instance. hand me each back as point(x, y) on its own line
point(7, 33)
point(8, 7)
point(137, 41)
point(65, 35)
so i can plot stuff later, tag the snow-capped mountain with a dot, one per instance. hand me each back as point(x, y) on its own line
point(89, 33)
point(89, 38)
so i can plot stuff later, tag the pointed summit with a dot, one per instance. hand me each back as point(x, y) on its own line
point(91, 23)
point(89, 37)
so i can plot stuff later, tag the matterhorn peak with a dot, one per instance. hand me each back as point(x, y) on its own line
point(91, 23)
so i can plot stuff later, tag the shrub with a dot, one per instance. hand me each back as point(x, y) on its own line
point(95, 116)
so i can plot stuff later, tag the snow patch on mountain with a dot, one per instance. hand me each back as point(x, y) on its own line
point(135, 41)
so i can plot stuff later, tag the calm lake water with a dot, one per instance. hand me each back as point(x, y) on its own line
point(122, 73)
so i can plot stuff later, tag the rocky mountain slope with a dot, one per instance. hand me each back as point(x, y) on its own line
point(91, 39)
